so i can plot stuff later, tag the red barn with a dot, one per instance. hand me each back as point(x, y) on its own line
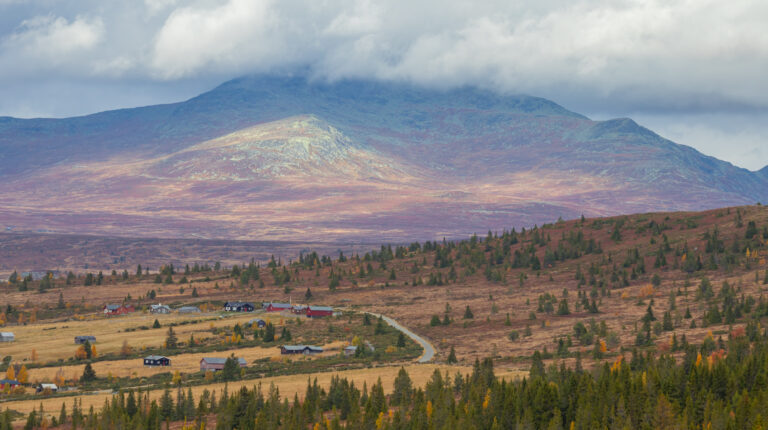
point(277, 307)
point(319, 311)
point(118, 309)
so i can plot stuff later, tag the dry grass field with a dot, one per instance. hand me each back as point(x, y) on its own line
point(288, 385)
point(184, 363)
point(54, 341)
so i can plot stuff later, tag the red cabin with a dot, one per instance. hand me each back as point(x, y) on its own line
point(277, 307)
point(319, 311)
point(118, 309)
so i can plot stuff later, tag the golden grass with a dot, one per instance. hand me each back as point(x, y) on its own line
point(184, 363)
point(54, 341)
point(288, 385)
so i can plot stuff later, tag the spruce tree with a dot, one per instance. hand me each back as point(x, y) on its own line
point(401, 340)
point(403, 388)
point(468, 313)
point(269, 333)
point(171, 341)
point(88, 374)
point(452, 356)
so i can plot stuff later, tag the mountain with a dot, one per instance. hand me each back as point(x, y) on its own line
point(267, 157)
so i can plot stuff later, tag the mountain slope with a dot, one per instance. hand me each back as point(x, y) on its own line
point(273, 157)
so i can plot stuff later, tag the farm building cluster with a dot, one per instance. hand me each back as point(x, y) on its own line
point(310, 311)
point(165, 309)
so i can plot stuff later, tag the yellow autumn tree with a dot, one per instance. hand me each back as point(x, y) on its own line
point(176, 378)
point(10, 373)
point(617, 364)
point(59, 378)
point(94, 354)
point(23, 376)
point(603, 346)
point(81, 353)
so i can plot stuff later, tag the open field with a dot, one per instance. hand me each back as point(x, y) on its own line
point(55, 341)
point(288, 385)
point(184, 363)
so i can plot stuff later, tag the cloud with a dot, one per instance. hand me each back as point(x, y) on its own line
point(230, 36)
point(51, 42)
point(678, 53)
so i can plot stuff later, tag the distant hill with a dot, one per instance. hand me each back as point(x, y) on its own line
point(285, 158)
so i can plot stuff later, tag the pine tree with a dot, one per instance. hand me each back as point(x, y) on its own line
point(171, 341)
point(667, 322)
point(88, 374)
point(269, 333)
point(380, 326)
point(452, 356)
point(435, 321)
point(468, 313)
point(403, 388)
point(231, 370)
point(537, 365)
point(401, 340)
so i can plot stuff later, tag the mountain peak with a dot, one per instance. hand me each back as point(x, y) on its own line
point(299, 146)
point(283, 157)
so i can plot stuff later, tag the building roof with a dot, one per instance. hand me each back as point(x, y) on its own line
point(6, 334)
point(51, 386)
point(350, 348)
point(112, 307)
point(159, 306)
point(279, 305)
point(302, 348)
point(238, 304)
point(219, 360)
point(189, 309)
point(86, 337)
point(9, 381)
point(321, 308)
point(155, 357)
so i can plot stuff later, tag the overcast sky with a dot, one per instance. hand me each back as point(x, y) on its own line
point(695, 71)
